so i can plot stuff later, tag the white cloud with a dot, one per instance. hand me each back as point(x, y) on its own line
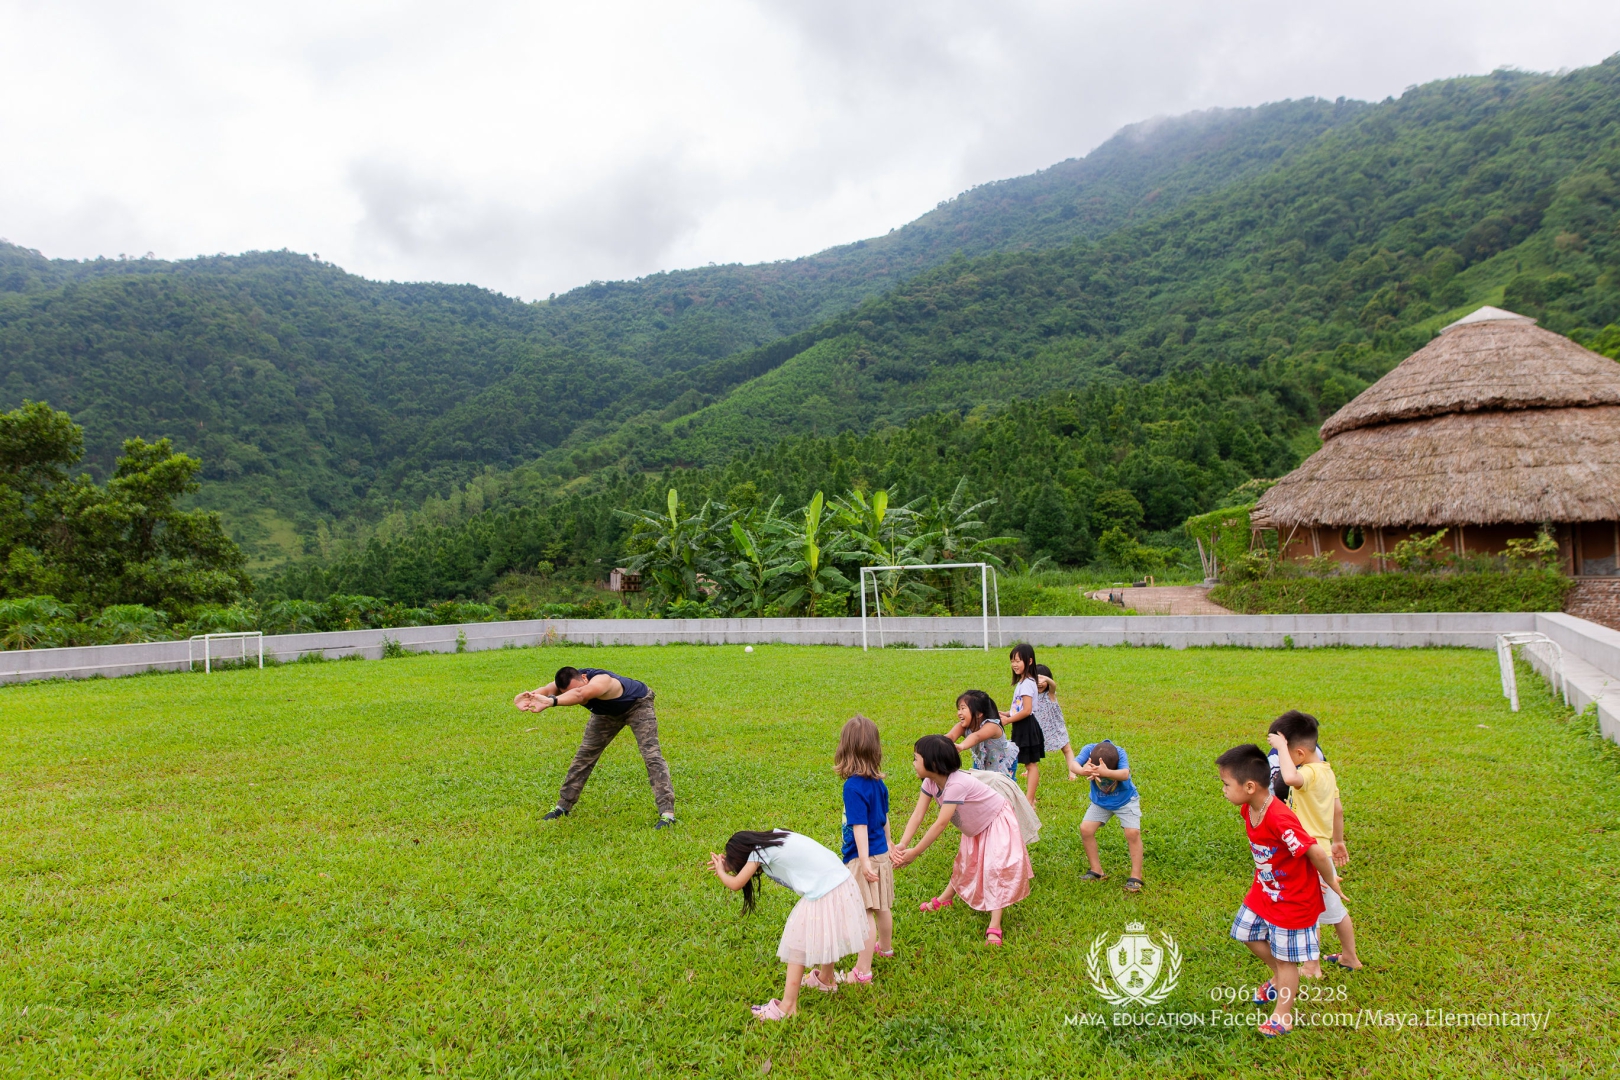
point(534, 146)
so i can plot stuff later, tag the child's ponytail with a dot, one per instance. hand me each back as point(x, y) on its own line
point(740, 847)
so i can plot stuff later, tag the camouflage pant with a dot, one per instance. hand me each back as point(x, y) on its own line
point(601, 730)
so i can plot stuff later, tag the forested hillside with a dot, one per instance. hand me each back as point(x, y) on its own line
point(1335, 264)
point(1059, 472)
point(312, 395)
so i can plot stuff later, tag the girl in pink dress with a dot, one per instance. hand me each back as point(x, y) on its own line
point(992, 870)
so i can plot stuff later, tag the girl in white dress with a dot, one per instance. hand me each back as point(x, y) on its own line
point(826, 925)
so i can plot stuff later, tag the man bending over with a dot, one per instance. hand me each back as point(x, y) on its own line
point(614, 702)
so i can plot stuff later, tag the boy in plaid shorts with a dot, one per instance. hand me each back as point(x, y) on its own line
point(1278, 918)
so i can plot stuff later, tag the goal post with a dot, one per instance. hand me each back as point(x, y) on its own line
point(208, 640)
point(989, 589)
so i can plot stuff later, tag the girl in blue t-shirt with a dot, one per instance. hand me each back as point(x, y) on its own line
point(859, 761)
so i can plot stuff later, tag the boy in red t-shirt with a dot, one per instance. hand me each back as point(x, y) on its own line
point(1278, 918)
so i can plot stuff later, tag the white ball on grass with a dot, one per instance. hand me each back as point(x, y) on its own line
point(748, 648)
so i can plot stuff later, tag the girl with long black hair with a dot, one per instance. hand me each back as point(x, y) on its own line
point(826, 925)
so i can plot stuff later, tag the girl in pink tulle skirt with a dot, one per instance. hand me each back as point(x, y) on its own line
point(992, 870)
point(826, 925)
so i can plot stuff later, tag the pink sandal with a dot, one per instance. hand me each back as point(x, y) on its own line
point(853, 975)
point(887, 954)
point(812, 981)
point(771, 1010)
point(935, 904)
point(992, 936)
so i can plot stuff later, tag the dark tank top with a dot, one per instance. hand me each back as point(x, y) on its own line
point(634, 691)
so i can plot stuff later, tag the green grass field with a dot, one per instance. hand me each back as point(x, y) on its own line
point(340, 869)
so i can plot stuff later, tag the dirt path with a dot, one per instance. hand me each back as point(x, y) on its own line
point(1164, 600)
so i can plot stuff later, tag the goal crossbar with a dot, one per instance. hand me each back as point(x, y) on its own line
point(989, 587)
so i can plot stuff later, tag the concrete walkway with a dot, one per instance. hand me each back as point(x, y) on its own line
point(1164, 600)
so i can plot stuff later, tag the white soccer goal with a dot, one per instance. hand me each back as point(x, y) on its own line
point(208, 648)
point(1546, 649)
point(988, 587)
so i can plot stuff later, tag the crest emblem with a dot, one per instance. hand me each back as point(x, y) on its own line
point(1135, 963)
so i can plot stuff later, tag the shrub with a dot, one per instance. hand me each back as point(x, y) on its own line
point(36, 622)
point(832, 605)
point(1022, 596)
point(124, 624)
point(1530, 589)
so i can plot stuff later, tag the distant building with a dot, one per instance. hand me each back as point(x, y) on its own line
point(1491, 430)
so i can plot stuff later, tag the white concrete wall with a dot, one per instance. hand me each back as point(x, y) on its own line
point(1174, 631)
point(1591, 656)
point(1591, 652)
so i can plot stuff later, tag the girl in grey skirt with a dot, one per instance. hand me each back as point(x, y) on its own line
point(1049, 714)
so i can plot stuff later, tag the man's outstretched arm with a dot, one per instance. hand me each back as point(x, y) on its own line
point(546, 696)
point(600, 686)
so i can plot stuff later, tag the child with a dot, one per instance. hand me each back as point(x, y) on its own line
point(1049, 714)
point(1277, 920)
point(1316, 803)
point(859, 761)
point(1021, 725)
point(826, 925)
point(1112, 795)
point(978, 725)
point(992, 870)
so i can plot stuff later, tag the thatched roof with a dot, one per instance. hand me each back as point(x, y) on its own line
point(1502, 362)
point(1524, 465)
point(1495, 421)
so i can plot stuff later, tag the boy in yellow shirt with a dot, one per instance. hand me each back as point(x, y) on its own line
point(1314, 799)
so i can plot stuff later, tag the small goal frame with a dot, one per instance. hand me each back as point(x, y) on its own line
point(989, 587)
point(208, 648)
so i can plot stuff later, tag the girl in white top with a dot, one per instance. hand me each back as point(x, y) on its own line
point(826, 925)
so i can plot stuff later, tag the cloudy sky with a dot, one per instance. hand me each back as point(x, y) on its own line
point(535, 146)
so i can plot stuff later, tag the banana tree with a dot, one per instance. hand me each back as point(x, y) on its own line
point(884, 535)
point(814, 548)
point(954, 529)
point(757, 563)
point(678, 554)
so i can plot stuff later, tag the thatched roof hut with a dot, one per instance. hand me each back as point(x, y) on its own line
point(1494, 422)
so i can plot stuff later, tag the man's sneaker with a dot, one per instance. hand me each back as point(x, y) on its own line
point(664, 821)
point(556, 812)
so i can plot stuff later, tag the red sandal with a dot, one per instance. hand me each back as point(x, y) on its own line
point(992, 936)
point(930, 906)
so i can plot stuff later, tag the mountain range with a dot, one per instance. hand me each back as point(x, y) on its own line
point(1313, 243)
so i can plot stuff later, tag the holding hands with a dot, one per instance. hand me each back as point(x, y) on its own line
point(533, 701)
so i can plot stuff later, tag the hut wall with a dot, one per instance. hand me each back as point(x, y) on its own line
point(1327, 540)
point(1597, 549)
point(1590, 549)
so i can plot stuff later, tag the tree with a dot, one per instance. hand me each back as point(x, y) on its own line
point(811, 570)
point(677, 554)
point(92, 546)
